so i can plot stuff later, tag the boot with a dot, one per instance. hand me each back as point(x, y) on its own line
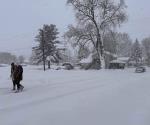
point(21, 88)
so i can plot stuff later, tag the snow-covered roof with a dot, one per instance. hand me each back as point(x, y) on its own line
point(124, 59)
point(117, 61)
point(87, 60)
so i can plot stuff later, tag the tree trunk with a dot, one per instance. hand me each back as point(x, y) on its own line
point(43, 49)
point(99, 57)
point(100, 50)
point(49, 64)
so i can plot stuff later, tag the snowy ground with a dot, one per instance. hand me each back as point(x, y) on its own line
point(105, 97)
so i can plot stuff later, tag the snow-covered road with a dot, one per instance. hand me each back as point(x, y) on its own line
point(105, 97)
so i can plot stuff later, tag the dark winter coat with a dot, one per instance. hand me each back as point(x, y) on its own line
point(18, 73)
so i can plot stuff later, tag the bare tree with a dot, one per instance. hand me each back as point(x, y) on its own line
point(110, 42)
point(94, 18)
point(123, 44)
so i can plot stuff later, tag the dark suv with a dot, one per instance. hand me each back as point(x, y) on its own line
point(140, 69)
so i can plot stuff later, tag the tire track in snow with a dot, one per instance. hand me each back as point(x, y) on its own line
point(50, 98)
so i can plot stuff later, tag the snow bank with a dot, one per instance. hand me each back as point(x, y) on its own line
point(117, 61)
point(4, 65)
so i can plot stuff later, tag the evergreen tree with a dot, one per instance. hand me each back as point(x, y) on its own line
point(136, 53)
point(46, 48)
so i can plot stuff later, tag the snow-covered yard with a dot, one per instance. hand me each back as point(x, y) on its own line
point(105, 97)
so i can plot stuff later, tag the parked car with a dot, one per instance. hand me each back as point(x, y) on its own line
point(68, 66)
point(60, 67)
point(140, 69)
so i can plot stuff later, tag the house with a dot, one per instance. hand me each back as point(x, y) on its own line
point(108, 58)
point(120, 63)
point(92, 61)
point(117, 64)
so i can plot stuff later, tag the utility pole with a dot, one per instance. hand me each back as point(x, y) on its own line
point(43, 48)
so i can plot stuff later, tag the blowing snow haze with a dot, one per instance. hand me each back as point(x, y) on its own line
point(21, 19)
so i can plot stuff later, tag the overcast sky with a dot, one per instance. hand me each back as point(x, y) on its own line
point(21, 19)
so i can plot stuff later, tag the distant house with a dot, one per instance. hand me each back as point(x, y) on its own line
point(121, 63)
point(129, 62)
point(124, 59)
point(108, 58)
point(92, 61)
point(117, 64)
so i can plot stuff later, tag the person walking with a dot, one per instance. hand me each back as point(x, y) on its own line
point(17, 76)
